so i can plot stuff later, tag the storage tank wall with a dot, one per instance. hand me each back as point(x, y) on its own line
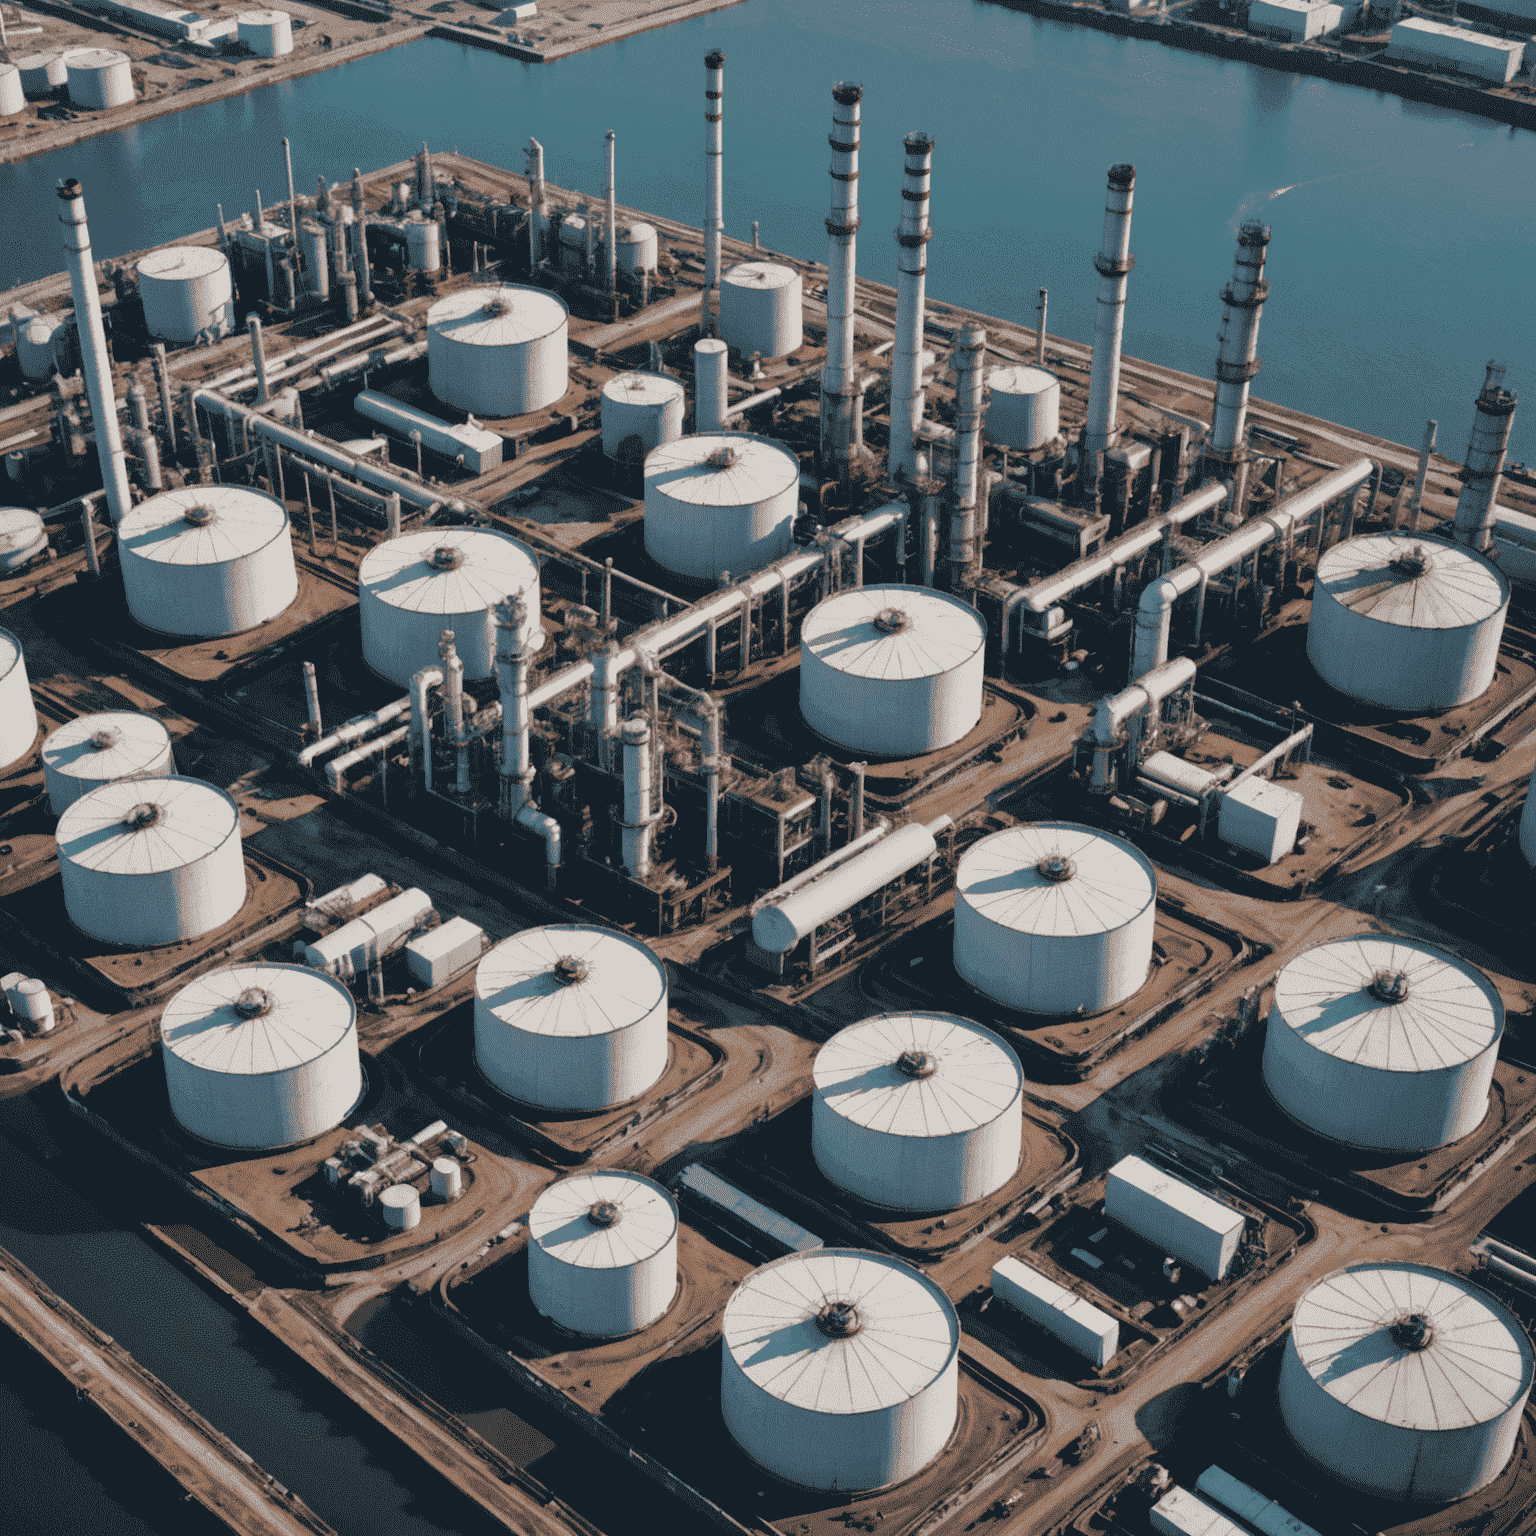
point(498, 352)
point(186, 290)
point(18, 716)
point(760, 309)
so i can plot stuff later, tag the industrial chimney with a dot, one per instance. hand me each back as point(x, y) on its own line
point(1114, 263)
point(838, 386)
point(911, 271)
point(714, 110)
point(1476, 507)
point(1237, 361)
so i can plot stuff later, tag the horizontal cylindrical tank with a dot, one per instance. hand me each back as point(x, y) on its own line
point(446, 1179)
point(268, 34)
point(37, 347)
point(571, 1017)
point(206, 561)
point(186, 290)
point(917, 1111)
point(641, 411)
point(839, 1369)
point(1051, 917)
point(760, 309)
point(1024, 411)
point(104, 748)
point(412, 588)
point(1383, 1043)
point(893, 671)
point(1405, 1382)
point(400, 1207)
point(13, 95)
point(261, 1056)
point(717, 502)
point(636, 247)
point(1527, 823)
point(602, 1253)
point(498, 352)
point(151, 861)
point(22, 538)
point(99, 78)
point(42, 73)
point(18, 716)
point(1406, 623)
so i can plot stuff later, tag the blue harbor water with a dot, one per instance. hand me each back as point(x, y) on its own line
point(1402, 240)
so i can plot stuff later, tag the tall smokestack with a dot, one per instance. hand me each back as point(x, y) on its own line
point(1476, 507)
point(970, 371)
point(1114, 263)
point(1237, 360)
point(911, 271)
point(837, 380)
point(714, 223)
point(610, 229)
point(93, 350)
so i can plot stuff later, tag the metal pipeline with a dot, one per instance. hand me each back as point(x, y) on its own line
point(714, 224)
point(912, 239)
point(1113, 263)
point(753, 401)
point(837, 375)
point(1116, 710)
point(336, 769)
point(312, 700)
point(353, 730)
point(1275, 753)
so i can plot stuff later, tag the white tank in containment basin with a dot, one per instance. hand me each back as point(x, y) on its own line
point(1527, 823)
point(207, 561)
point(104, 748)
point(1024, 412)
point(42, 73)
point(99, 78)
point(22, 538)
point(18, 716)
point(412, 588)
point(151, 861)
point(268, 34)
point(1173, 1216)
point(1052, 917)
point(641, 411)
point(38, 344)
point(13, 96)
point(1383, 1043)
point(1405, 1382)
point(1406, 623)
point(498, 352)
point(186, 290)
point(571, 1017)
point(636, 247)
point(261, 1056)
point(717, 502)
point(839, 1369)
point(917, 1111)
point(400, 1207)
point(893, 671)
point(760, 309)
point(602, 1253)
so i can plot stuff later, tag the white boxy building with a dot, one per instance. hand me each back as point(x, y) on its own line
point(1173, 1216)
point(1441, 46)
point(1079, 1324)
point(1294, 21)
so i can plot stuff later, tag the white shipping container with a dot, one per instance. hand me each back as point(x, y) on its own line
point(1182, 1513)
point(347, 952)
point(1445, 47)
point(1261, 818)
point(1264, 1515)
point(1079, 1324)
point(443, 952)
point(1173, 1216)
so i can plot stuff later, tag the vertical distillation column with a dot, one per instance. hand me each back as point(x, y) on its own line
point(538, 204)
point(964, 546)
point(94, 358)
point(514, 652)
point(838, 385)
point(714, 111)
point(1237, 360)
point(360, 263)
point(1114, 263)
point(1477, 506)
point(610, 229)
point(911, 272)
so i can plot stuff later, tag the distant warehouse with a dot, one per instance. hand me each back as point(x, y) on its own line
point(1294, 21)
point(1455, 48)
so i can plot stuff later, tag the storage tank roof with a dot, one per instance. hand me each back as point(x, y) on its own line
point(252, 1020)
point(176, 263)
point(1465, 1363)
point(497, 317)
point(1056, 879)
point(1020, 379)
point(637, 232)
point(203, 525)
point(146, 826)
point(1412, 582)
point(725, 469)
point(262, 18)
point(761, 274)
point(642, 389)
point(840, 1330)
point(94, 58)
point(918, 1074)
point(447, 570)
point(603, 1220)
point(888, 633)
point(19, 528)
point(115, 744)
point(10, 652)
point(37, 60)
point(1391, 1004)
point(572, 980)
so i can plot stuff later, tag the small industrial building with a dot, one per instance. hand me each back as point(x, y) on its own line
point(1294, 21)
point(1456, 50)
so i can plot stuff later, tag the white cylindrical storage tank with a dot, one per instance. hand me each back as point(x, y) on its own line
point(261, 1056)
point(1383, 1043)
point(206, 561)
point(268, 34)
point(35, 350)
point(1052, 917)
point(22, 538)
point(893, 671)
point(446, 1179)
point(646, 407)
point(760, 309)
point(13, 96)
point(400, 1207)
point(186, 289)
point(151, 861)
point(498, 352)
point(1405, 1382)
point(42, 73)
point(571, 1017)
point(1024, 412)
point(423, 244)
point(412, 588)
point(32, 1005)
point(602, 1253)
point(717, 502)
point(1528, 824)
point(1406, 623)
point(839, 1369)
point(917, 1111)
point(99, 78)
point(636, 248)
point(104, 748)
point(18, 716)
